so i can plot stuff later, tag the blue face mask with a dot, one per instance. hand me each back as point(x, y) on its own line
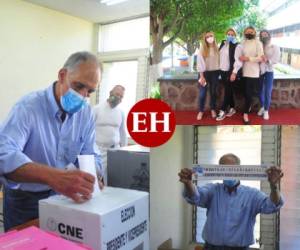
point(72, 102)
point(231, 39)
point(230, 183)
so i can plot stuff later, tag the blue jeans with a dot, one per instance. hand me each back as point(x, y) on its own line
point(20, 206)
point(266, 86)
point(212, 80)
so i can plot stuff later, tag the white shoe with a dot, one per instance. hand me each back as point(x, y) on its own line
point(221, 116)
point(213, 114)
point(261, 112)
point(199, 116)
point(266, 115)
point(231, 112)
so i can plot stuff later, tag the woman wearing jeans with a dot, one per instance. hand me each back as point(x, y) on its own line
point(208, 68)
point(271, 57)
point(248, 55)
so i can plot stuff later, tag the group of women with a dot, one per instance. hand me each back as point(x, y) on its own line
point(250, 61)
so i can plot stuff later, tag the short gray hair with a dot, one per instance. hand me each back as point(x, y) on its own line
point(229, 158)
point(79, 57)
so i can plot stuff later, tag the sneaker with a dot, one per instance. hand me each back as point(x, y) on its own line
point(221, 116)
point(266, 115)
point(261, 112)
point(213, 114)
point(246, 119)
point(231, 112)
point(199, 116)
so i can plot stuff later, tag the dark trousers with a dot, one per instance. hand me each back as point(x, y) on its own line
point(228, 93)
point(250, 89)
point(208, 246)
point(212, 80)
point(266, 86)
point(20, 206)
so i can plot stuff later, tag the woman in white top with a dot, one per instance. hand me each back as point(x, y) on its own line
point(208, 68)
point(227, 51)
point(271, 57)
point(248, 55)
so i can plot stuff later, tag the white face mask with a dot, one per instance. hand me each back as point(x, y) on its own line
point(210, 39)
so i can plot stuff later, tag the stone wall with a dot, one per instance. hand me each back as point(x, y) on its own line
point(183, 94)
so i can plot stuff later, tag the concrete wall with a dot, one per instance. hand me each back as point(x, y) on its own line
point(170, 216)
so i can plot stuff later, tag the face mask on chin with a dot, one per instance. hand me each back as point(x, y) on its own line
point(72, 101)
point(114, 101)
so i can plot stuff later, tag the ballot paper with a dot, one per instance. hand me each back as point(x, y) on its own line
point(227, 172)
point(87, 164)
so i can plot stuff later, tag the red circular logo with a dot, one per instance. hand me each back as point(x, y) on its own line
point(151, 122)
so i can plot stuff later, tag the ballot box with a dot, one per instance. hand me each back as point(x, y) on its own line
point(115, 219)
point(128, 167)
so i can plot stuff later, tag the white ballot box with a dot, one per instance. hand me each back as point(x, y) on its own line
point(115, 219)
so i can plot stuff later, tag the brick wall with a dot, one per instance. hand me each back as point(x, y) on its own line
point(183, 94)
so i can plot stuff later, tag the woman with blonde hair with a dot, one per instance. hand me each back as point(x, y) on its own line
point(248, 56)
point(227, 51)
point(208, 68)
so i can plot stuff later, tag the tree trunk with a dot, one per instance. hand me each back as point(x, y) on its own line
point(156, 69)
point(191, 50)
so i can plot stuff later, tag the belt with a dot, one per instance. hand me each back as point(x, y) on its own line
point(213, 247)
point(108, 146)
point(20, 191)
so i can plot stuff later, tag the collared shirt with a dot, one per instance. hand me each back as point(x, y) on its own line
point(34, 132)
point(110, 126)
point(231, 216)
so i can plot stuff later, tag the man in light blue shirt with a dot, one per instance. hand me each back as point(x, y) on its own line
point(43, 133)
point(231, 207)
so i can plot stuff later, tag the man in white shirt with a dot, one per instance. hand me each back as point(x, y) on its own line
point(110, 125)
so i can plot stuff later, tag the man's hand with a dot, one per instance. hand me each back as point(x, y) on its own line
point(244, 58)
point(75, 184)
point(274, 175)
point(185, 175)
point(232, 77)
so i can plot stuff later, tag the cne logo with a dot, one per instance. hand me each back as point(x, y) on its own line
point(65, 229)
point(151, 122)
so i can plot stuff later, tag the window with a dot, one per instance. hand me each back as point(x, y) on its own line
point(123, 73)
point(213, 142)
point(119, 36)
